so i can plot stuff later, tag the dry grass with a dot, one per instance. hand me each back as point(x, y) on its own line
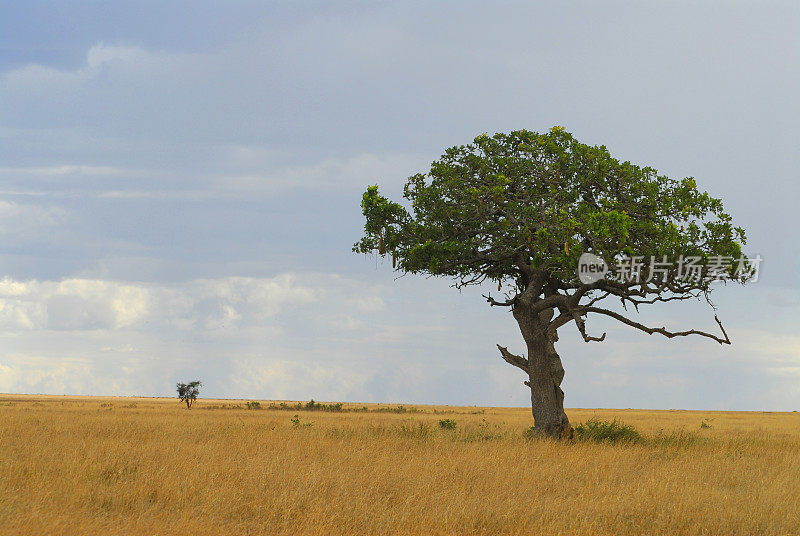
point(149, 466)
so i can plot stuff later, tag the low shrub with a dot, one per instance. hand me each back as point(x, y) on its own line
point(607, 432)
point(447, 424)
point(311, 405)
point(316, 406)
point(299, 424)
point(338, 407)
point(396, 409)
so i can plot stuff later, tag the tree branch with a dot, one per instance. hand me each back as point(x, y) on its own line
point(582, 329)
point(517, 361)
point(494, 302)
point(662, 331)
point(557, 322)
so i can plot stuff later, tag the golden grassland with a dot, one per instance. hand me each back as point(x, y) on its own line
point(139, 466)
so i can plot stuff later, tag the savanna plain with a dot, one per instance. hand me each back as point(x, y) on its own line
point(144, 466)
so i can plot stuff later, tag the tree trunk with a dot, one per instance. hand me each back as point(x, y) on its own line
point(545, 373)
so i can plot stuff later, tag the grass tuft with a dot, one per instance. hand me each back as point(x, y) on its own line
point(447, 424)
point(607, 432)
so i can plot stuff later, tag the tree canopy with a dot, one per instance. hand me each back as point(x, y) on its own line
point(187, 392)
point(520, 208)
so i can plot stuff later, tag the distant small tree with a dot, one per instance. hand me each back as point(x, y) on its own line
point(188, 392)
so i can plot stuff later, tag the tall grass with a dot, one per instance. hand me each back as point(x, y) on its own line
point(144, 466)
point(601, 431)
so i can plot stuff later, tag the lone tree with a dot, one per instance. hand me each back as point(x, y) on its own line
point(187, 392)
point(519, 209)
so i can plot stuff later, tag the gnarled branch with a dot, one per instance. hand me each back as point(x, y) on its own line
point(517, 361)
point(494, 302)
point(662, 331)
point(582, 329)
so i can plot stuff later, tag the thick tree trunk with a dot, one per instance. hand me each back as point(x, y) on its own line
point(545, 373)
point(547, 399)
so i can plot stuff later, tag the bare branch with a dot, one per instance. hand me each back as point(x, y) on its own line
point(582, 329)
point(494, 302)
point(598, 298)
point(636, 302)
point(722, 329)
point(662, 331)
point(517, 361)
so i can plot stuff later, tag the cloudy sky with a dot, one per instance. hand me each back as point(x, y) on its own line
point(180, 187)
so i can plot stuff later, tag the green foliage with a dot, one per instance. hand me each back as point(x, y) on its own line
point(187, 392)
point(253, 405)
point(338, 407)
point(543, 199)
point(316, 406)
point(447, 424)
point(607, 431)
point(296, 423)
point(311, 405)
point(222, 406)
point(705, 425)
point(396, 409)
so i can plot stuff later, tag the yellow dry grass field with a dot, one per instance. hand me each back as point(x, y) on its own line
point(114, 466)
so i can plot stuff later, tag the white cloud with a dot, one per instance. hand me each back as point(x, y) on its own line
point(20, 220)
point(103, 62)
point(368, 303)
point(101, 55)
point(90, 304)
point(295, 379)
point(276, 336)
point(397, 334)
point(27, 373)
point(244, 178)
point(66, 169)
point(346, 322)
point(354, 171)
point(779, 353)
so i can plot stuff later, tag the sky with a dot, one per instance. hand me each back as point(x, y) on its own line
point(180, 186)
